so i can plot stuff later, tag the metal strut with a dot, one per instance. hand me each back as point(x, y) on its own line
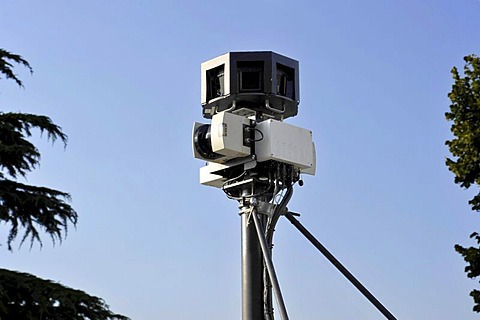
point(340, 267)
point(269, 264)
point(272, 221)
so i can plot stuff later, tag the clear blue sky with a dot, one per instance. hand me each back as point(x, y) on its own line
point(123, 80)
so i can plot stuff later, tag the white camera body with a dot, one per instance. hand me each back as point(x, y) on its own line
point(283, 142)
point(229, 138)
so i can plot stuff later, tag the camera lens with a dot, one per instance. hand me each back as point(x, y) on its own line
point(203, 143)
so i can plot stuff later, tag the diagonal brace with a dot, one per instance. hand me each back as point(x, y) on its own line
point(340, 267)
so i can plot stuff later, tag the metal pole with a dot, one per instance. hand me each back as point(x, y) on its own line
point(270, 268)
point(252, 272)
point(340, 267)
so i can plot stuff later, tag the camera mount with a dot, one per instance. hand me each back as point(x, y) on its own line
point(256, 159)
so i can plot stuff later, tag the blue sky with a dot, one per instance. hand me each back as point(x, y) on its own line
point(122, 78)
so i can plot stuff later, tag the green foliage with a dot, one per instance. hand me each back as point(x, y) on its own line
point(32, 208)
point(465, 114)
point(17, 154)
point(6, 65)
point(24, 296)
point(471, 255)
point(29, 207)
point(465, 148)
point(22, 205)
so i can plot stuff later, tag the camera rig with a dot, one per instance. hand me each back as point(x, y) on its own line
point(256, 158)
point(247, 95)
point(253, 156)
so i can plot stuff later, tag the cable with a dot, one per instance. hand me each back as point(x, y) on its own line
point(232, 180)
point(261, 133)
point(269, 230)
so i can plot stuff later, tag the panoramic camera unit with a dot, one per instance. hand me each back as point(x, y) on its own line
point(247, 83)
point(247, 95)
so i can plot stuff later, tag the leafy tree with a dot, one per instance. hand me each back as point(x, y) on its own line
point(465, 148)
point(33, 209)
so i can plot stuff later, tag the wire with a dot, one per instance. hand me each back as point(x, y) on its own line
point(229, 181)
point(269, 230)
point(261, 133)
point(279, 197)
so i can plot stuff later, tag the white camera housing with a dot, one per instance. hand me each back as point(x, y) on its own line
point(227, 139)
point(208, 176)
point(228, 135)
point(273, 140)
point(282, 142)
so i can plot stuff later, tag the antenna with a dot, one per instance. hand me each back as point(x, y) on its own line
point(256, 159)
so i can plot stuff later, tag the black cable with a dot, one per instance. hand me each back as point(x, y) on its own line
point(261, 133)
point(340, 267)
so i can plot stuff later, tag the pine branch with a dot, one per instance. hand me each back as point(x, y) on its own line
point(24, 296)
point(17, 155)
point(33, 208)
point(6, 66)
point(23, 122)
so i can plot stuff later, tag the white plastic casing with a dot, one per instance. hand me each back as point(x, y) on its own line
point(286, 143)
point(208, 178)
point(313, 168)
point(275, 140)
point(227, 135)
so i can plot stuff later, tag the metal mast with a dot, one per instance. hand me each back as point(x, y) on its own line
point(252, 267)
point(256, 190)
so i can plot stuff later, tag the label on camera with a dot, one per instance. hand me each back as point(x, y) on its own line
point(222, 130)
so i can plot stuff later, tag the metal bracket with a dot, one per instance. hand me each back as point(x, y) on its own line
point(266, 208)
point(267, 106)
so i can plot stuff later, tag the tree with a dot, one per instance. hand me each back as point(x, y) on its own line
point(465, 148)
point(26, 297)
point(22, 205)
point(33, 209)
point(6, 59)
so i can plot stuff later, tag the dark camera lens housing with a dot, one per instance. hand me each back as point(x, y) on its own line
point(203, 143)
point(216, 82)
point(250, 76)
point(262, 82)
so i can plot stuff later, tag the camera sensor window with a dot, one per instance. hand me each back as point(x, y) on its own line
point(250, 75)
point(285, 81)
point(215, 82)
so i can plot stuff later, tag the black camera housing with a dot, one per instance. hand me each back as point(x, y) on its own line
point(257, 82)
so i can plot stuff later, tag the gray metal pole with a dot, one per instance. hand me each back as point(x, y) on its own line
point(252, 272)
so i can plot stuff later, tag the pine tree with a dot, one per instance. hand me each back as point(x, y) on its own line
point(23, 206)
point(30, 210)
